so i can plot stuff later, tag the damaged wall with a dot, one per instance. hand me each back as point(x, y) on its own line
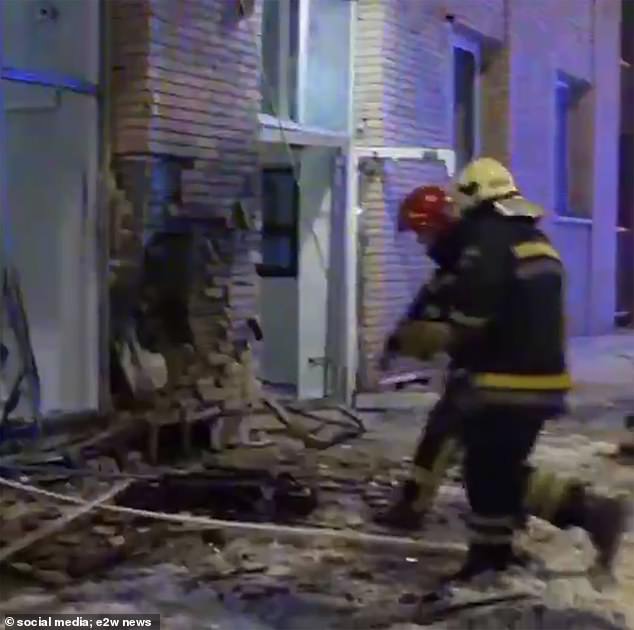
point(186, 84)
point(185, 101)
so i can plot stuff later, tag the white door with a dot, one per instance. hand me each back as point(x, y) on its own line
point(316, 180)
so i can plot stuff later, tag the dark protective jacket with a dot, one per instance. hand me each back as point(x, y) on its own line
point(507, 311)
point(433, 302)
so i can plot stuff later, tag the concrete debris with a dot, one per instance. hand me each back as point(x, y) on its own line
point(606, 449)
point(107, 562)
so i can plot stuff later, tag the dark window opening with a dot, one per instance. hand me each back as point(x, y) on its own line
point(464, 106)
point(280, 212)
point(573, 162)
point(280, 55)
point(562, 148)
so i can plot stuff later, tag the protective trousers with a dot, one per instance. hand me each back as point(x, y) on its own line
point(497, 441)
point(441, 446)
point(562, 501)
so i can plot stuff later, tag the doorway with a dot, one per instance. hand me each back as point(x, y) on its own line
point(296, 276)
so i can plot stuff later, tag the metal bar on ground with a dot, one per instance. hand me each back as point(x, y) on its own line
point(298, 432)
point(53, 527)
point(286, 533)
point(356, 418)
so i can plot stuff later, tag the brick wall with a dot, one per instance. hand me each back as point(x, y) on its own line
point(185, 99)
point(412, 66)
point(525, 43)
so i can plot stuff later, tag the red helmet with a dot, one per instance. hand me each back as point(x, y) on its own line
point(425, 209)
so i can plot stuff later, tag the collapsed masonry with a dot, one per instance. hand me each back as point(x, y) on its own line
point(181, 296)
point(184, 205)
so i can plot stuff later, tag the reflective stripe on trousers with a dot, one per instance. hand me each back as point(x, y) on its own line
point(491, 530)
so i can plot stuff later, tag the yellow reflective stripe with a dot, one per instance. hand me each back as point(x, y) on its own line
point(524, 382)
point(430, 480)
point(467, 320)
point(532, 249)
point(532, 267)
point(423, 477)
point(522, 397)
point(545, 493)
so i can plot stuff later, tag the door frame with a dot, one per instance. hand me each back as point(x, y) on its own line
point(352, 304)
point(309, 138)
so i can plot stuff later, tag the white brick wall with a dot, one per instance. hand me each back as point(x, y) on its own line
point(186, 87)
point(186, 79)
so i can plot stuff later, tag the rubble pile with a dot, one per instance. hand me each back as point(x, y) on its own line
point(574, 453)
point(182, 309)
point(196, 575)
point(81, 546)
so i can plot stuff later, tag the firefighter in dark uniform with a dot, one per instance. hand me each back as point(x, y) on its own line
point(426, 212)
point(505, 332)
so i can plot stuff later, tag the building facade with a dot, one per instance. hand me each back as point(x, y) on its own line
point(255, 103)
point(233, 160)
point(532, 83)
point(229, 120)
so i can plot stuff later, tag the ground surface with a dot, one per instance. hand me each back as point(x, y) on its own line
point(208, 581)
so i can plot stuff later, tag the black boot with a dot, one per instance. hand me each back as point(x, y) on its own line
point(603, 518)
point(402, 514)
point(606, 521)
point(485, 558)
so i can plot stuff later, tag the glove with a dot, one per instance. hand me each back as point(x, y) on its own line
point(423, 340)
point(390, 348)
point(392, 345)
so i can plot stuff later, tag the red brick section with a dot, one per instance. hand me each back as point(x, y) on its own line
point(186, 89)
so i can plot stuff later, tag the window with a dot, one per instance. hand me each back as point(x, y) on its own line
point(280, 57)
point(466, 101)
point(562, 148)
point(573, 160)
point(306, 48)
point(280, 211)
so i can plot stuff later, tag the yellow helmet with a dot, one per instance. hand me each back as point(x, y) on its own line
point(484, 179)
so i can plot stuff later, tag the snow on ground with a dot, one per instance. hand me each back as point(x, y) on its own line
point(196, 582)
